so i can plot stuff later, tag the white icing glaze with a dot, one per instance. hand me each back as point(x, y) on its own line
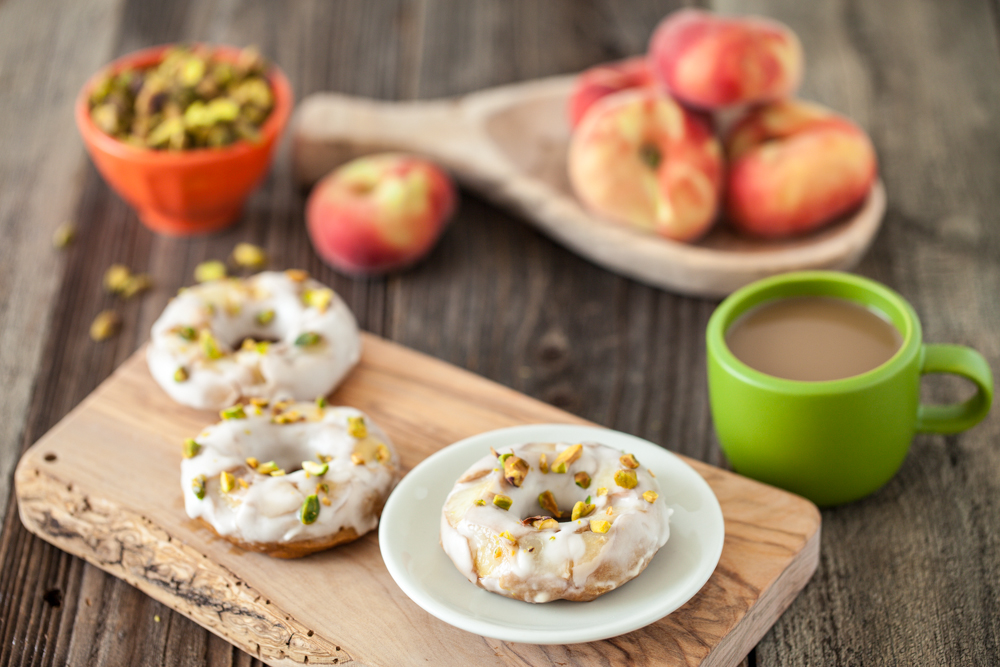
point(267, 510)
point(571, 562)
point(228, 309)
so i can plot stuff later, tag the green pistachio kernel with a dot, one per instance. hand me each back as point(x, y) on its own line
point(321, 402)
point(356, 427)
point(308, 338)
point(317, 469)
point(626, 479)
point(191, 448)
point(310, 509)
point(582, 480)
point(198, 486)
point(267, 468)
point(233, 412)
point(226, 481)
point(503, 502)
point(265, 317)
point(209, 345)
point(181, 374)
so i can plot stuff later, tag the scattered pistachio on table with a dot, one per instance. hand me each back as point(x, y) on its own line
point(105, 325)
point(249, 256)
point(190, 99)
point(64, 235)
point(119, 279)
point(213, 269)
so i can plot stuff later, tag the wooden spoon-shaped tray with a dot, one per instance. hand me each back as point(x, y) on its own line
point(510, 143)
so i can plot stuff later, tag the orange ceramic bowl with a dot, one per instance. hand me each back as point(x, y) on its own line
point(182, 193)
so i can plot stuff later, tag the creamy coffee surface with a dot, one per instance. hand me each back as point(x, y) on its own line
point(812, 338)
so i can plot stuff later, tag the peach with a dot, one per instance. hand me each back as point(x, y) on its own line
point(795, 166)
point(711, 62)
point(641, 159)
point(600, 81)
point(379, 213)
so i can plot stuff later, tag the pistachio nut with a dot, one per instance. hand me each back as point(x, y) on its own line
point(503, 502)
point(628, 460)
point(105, 325)
point(507, 536)
point(308, 339)
point(64, 235)
point(514, 470)
point(226, 481)
point(253, 462)
point(600, 525)
point(582, 480)
point(187, 333)
point(626, 479)
point(650, 496)
point(479, 501)
point(581, 509)
point(356, 428)
point(198, 486)
point(321, 402)
point(602, 490)
point(317, 469)
point(233, 412)
point(209, 345)
point(319, 299)
point(357, 459)
point(247, 255)
point(116, 277)
point(265, 317)
point(181, 374)
point(382, 453)
point(548, 503)
point(543, 464)
point(566, 458)
point(310, 509)
point(190, 448)
point(266, 468)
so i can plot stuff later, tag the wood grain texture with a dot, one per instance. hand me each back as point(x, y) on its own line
point(907, 577)
point(102, 484)
point(510, 144)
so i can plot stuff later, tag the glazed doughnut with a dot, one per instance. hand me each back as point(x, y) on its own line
point(548, 521)
point(288, 479)
point(204, 348)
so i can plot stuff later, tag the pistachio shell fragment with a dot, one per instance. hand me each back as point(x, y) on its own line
point(650, 496)
point(582, 480)
point(213, 269)
point(503, 502)
point(600, 525)
point(233, 412)
point(198, 486)
point(209, 345)
point(581, 509)
point(356, 428)
point(626, 479)
point(628, 460)
point(310, 510)
point(181, 374)
point(226, 481)
point(249, 256)
point(265, 316)
point(566, 458)
point(266, 468)
point(548, 503)
point(105, 325)
point(317, 469)
point(308, 339)
point(543, 464)
point(514, 470)
point(190, 448)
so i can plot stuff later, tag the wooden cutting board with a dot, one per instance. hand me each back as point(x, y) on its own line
point(510, 142)
point(104, 485)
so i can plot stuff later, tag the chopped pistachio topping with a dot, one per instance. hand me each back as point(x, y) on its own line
point(507, 536)
point(503, 457)
point(248, 345)
point(626, 479)
point(249, 256)
point(582, 480)
point(105, 325)
point(289, 417)
point(325, 458)
point(553, 537)
point(628, 460)
point(548, 503)
point(226, 481)
point(581, 509)
point(313, 468)
point(319, 299)
point(600, 526)
point(566, 458)
point(267, 468)
point(543, 464)
point(503, 502)
point(210, 270)
point(602, 491)
point(356, 427)
point(382, 453)
point(308, 339)
point(498, 552)
point(64, 235)
point(198, 486)
point(321, 402)
point(116, 277)
point(310, 509)
point(187, 333)
point(609, 511)
point(253, 462)
point(325, 501)
point(265, 316)
point(357, 459)
point(280, 472)
point(259, 402)
point(243, 483)
point(233, 412)
point(181, 374)
point(514, 470)
point(479, 501)
point(322, 487)
point(209, 345)
point(547, 524)
point(650, 496)
point(297, 275)
point(190, 448)
point(262, 347)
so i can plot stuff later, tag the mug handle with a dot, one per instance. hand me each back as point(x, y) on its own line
point(955, 417)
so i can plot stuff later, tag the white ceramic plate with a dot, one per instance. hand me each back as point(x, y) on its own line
point(409, 540)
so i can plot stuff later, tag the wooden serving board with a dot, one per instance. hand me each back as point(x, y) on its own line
point(103, 484)
point(510, 144)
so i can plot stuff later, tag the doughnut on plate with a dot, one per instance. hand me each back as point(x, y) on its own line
point(409, 541)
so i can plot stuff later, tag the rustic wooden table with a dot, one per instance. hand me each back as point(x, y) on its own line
point(908, 576)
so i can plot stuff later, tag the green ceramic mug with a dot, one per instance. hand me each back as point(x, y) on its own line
point(839, 440)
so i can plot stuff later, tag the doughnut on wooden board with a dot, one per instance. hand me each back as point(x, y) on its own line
point(509, 143)
point(104, 485)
